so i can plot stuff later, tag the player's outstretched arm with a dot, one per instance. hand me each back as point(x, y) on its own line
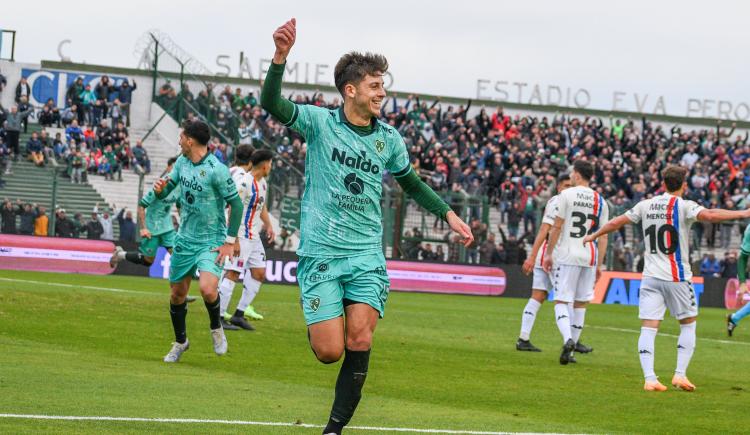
point(270, 97)
point(611, 226)
point(715, 215)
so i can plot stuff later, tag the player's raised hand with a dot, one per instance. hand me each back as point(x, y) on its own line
point(284, 38)
point(460, 227)
point(160, 184)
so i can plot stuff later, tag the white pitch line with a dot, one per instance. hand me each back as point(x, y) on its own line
point(664, 334)
point(87, 287)
point(257, 423)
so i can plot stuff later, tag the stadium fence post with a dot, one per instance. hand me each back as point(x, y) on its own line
point(53, 206)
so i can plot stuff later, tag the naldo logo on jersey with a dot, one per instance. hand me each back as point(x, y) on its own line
point(360, 162)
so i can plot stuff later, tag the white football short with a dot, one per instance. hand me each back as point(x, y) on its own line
point(541, 280)
point(252, 256)
point(573, 283)
point(657, 296)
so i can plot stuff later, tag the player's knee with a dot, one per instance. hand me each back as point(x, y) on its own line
point(359, 342)
point(328, 354)
point(258, 274)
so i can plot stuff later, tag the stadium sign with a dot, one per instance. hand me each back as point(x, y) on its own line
point(624, 288)
point(619, 101)
point(54, 84)
point(55, 254)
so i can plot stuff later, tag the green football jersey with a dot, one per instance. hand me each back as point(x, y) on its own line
point(746, 241)
point(341, 213)
point(159, 211)
point(205, 188)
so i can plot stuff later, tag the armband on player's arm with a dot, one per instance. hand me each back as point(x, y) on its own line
point(235, 216)
point(742, 267)
point(421, 192)
point(271, 99)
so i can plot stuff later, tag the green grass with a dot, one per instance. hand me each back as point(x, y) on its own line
point(438, 361)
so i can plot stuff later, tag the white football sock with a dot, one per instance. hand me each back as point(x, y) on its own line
point(250, 289)
point(528, 318)
point(562, 317)
point(685, 347)
point(646, 352)
point(226, 288)
point(576, 323)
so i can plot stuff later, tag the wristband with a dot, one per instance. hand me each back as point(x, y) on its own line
point(230, 240)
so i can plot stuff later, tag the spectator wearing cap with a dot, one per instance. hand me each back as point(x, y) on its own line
point(64, 227)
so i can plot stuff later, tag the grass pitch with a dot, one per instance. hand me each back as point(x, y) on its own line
point(85, 347)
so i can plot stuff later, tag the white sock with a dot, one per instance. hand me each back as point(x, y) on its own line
point(563, 321)
point(250, 289)
point(528, 318)
point(121, 255)
point(685, 347)
point(226, 288)
point(576, 324)
point(646, 352)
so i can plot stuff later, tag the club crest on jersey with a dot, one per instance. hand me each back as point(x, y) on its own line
point(379, 146)
point(203, 173)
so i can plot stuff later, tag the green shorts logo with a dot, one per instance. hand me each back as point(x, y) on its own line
point(315, 304)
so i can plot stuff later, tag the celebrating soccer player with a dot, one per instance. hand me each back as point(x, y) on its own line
point(579, 211)
point(341, 272)
point(252, 189)
point(203, 241)
point(733, 319)
point(667, 278)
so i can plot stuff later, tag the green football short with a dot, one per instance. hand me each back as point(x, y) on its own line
point(185, 260)
point(148, 247)
point(325, 283)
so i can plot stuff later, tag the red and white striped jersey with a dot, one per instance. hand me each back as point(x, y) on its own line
point(583, 211)
point(253, 195)
point(547, 218)
point(666, 221)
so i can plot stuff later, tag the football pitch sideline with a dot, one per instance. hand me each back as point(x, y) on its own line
point(83, 354)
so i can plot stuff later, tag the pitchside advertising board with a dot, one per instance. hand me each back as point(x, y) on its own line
point(92, 257)
point(54, 84)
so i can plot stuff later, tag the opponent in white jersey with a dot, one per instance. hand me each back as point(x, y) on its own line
point(666, 283)
point(579, 211)
point(252, 188)
point(541, 284)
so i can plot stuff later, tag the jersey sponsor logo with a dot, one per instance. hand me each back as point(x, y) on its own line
point(323, 268)
point(359, 162)
point(354, 184)
point(191, 184)
point(189, 197)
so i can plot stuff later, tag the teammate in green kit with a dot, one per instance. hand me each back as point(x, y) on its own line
point(733, 319)
point(203, 241)
point(341, 270)
point(155, 220)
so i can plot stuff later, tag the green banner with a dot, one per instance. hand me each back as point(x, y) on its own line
point(290, 213)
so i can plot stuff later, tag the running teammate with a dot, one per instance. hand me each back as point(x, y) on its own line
point(733, 319)
point(203, 241)
point(341, 272)
point(579, 211)
point(252, 188)
point(667, 277)
point(542, 284)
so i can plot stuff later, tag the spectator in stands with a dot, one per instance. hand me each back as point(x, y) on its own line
point(79, 225)
point(41, 223)
point(103, 134)
point(102, 90)
point(710, 266)
point(514, 248)
point(13, 121)
point(486, 249)
point(35, 149)
point(69, 114)
point(73, 97)
point(28, 213)
point(426, 253)
point(64, 227)
point(127, 226)
point(60, 148)
point(94, 228)
point(729, 265)
point(439, 253)
point(88, 100)
point(106, 221)
point(23, 90)
point(5, 159)
point(727, 226)
point(117, 113)
point(77, 169)
point(49, 115)
point(3, 82)
point(454, 247)
point(499, 256)
point(73, 132)
point(114, 165)
point(125, 95)
point(8, 213)
point(140, 156)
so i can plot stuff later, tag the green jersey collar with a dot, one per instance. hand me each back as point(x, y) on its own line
point(200, 162)
point(362, 131)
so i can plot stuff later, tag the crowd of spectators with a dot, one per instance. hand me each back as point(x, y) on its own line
point(91, 134)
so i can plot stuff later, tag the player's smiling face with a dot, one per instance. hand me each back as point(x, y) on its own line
point(184, 144)
point(369, 95)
